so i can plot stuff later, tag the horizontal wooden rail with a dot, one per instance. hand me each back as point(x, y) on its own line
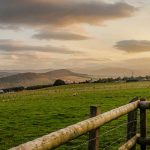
point(62, 136)
point(130, 143)
point(144, 105)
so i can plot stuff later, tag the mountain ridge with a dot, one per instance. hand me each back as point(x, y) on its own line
point(31, 78)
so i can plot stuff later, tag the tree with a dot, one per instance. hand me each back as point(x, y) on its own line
point(59, 82)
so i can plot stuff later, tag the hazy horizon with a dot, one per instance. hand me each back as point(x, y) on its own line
point(83, 35)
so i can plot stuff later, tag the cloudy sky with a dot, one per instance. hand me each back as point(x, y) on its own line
point(40, 34)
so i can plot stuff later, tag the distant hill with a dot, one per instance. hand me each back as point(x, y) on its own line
point(114, 72)
point(29, 78)
point(5, 74)
point(12, 72)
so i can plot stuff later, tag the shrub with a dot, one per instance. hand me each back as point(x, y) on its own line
point(59, 82)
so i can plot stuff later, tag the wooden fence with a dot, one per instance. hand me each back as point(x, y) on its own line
point(92, 125)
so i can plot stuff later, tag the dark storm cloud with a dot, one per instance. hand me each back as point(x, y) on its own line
point(59, 36)
point(62, 13)
point(133, 46)
point(16, 46)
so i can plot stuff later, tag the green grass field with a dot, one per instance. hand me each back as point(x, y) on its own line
point(27, 115)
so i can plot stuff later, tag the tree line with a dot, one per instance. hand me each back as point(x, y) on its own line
point(60, 82)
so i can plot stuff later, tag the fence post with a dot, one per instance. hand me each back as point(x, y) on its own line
point(94, 134)
point(143, 125)
point(132, 124)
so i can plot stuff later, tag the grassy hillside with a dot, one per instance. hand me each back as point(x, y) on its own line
point(27, 115)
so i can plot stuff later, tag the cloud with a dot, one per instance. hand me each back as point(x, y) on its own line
point(133, 46)
point(90, 60)
point(60, 13)
point(59, 36)
point(16, 46)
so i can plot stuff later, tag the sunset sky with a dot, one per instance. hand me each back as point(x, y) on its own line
point(40, 34)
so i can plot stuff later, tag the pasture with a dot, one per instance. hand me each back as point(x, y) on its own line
point(27, 115)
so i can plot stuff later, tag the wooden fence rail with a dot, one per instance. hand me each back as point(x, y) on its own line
point(62, 136)
point(131, 143)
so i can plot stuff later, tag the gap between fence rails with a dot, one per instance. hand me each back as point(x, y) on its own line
point(86, 142)
point(64, 135)
point(101, 135)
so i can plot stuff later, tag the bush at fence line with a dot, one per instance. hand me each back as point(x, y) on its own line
point(59, 82)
